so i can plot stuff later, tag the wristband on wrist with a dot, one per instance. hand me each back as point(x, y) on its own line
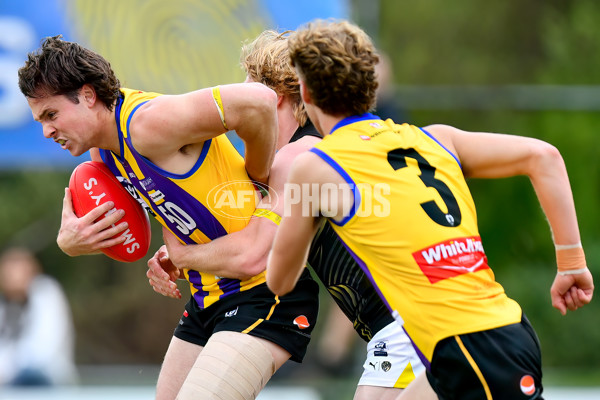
point(570, 259)
point(573, 271)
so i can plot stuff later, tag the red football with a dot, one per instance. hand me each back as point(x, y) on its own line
point(92, 184)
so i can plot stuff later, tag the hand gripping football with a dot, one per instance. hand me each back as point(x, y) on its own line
point(93, 184)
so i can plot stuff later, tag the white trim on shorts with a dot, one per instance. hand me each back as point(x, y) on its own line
point(389, 354)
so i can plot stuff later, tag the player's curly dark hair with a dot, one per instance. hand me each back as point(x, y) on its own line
point(60, 67)
point(336, 60)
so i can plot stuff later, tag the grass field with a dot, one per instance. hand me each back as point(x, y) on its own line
point(270, 393)
point(137, 383)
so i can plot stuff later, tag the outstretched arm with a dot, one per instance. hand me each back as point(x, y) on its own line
point(489, 155)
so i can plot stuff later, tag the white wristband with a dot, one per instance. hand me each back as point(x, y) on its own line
point(567, 246)
point(573, 271)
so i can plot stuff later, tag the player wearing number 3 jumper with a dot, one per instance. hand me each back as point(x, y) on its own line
point(170, 151)
point(397, 197)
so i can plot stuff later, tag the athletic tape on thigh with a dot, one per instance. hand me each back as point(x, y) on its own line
point(232, 366)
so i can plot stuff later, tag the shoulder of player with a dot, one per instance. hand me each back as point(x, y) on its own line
point(150, 130)
point(309, 167)
point(174, 121)
point(143, 122)
point(291, 150)
point(284, 158)
point(444, 134)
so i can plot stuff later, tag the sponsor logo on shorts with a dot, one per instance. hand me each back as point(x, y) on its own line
point(527, 385)
point(386, 366)
point(185, 315)
point(301, 322)
point(381, 349)
point(374, 365)
point(451, 258)
point(231, 313)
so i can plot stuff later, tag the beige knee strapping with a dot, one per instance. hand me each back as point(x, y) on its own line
point(232, 366)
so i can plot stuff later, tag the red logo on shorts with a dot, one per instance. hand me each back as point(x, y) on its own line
point(527, 385)
point(185, 313)
point(301, 321)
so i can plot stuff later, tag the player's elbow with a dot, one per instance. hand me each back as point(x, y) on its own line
point(545, 157)
point(550, 153)
point(278, 284)
point(251, 265)
point(251, 255)
point(278, 288)
point(264, 98)
point(262, 108)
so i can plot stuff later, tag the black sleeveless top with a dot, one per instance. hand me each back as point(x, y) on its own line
point(342, 276)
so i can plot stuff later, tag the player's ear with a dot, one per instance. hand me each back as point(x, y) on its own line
point(88, 94)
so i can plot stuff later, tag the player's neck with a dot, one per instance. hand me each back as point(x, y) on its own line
point(326, 122)
point(286, 132)
point(287, 123)
point(110, 132)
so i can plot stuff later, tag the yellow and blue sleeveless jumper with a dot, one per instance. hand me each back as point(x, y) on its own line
point(214, 198)
point(413, 230)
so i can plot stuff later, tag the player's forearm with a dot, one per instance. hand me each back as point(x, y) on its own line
point(259, 157)
point(260, 146)
point(226, 261)
point(551, 183)
point(283, 271)
point(258, 129)
point(239, 255)
point(287, 258)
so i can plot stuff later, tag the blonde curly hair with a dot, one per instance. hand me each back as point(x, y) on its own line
point(266, 60)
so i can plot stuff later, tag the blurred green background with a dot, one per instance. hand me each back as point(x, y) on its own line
point(519, 67)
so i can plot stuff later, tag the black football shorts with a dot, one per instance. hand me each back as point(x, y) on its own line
point(499, 364)
point(287, 321)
